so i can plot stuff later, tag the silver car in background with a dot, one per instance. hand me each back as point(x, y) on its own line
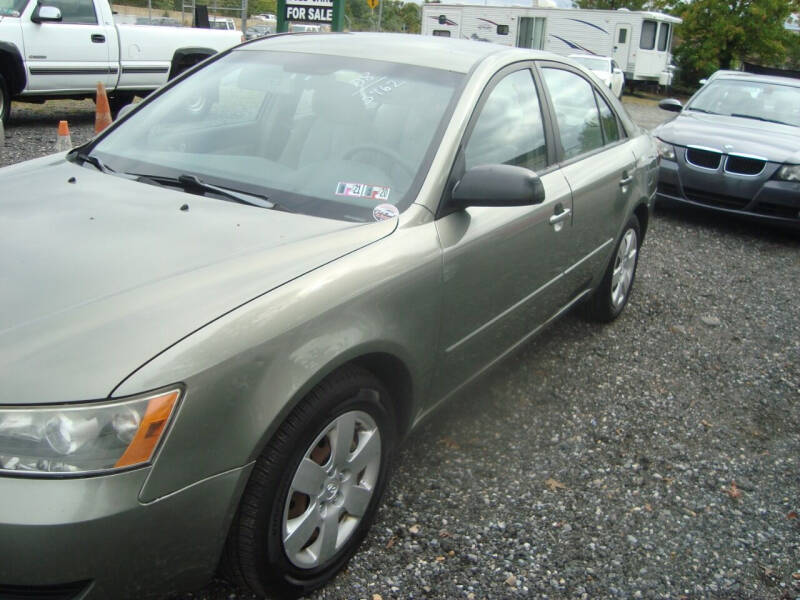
point(220, 317)
point(735, 148)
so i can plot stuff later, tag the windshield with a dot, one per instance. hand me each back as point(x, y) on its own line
point(593, 63)
point(316, 134)
point(749, 99)
point(12, 8)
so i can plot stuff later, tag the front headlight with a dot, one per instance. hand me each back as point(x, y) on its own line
point(789, 173)
point(84, 438)
point(665, 150)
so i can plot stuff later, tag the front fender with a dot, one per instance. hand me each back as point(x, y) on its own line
point(246, 371)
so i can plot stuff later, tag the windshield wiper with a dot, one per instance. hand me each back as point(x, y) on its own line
point(193, 184)
point(743, 116)
point(85, 157)
point(702, 110)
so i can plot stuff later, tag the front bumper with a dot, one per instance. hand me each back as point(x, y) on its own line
point(87, 538)
point(775, 202)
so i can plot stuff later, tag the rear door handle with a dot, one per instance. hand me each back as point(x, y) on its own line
point(98, 38)
point(562, 216)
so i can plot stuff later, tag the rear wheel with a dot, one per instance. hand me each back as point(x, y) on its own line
point(315, 489)
point(5, 101)
point(611, 296)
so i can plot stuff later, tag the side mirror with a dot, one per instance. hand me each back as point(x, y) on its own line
point(703, 81)
point(497, 185)
point(671, 104)
point(617, 70)
point(43, 14)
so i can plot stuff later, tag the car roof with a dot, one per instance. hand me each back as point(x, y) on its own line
point(425, 51)
point(738, 75)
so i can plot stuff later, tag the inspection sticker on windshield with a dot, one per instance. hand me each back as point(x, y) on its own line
point(383, 212)
point(362, 190)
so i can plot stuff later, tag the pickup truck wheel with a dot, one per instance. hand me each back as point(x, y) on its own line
point(115, 103)
point(315, 488)
point(5, 101)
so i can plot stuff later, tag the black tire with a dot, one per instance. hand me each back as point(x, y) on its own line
point(604, 305)
point(116, 102)
point(255, 557)
point(5, 101)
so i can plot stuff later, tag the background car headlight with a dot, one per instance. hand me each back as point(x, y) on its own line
point(789, 173)
point(665, 150)
point(84, 438)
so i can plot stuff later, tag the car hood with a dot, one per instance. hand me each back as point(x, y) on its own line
point(775, 142)
point(100, 275)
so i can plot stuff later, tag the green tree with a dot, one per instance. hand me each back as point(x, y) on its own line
point(716, 34)
point(396, 16)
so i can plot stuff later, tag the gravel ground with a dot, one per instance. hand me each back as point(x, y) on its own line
point(655, 457)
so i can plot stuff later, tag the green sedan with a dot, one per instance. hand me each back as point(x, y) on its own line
point(221, 316)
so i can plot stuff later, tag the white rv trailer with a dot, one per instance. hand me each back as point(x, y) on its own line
point(638, 41)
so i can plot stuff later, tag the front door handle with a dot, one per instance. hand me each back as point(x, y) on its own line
point(562, 216)
point(625, 180)
point(98, 38)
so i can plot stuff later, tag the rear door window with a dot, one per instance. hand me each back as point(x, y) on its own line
point(576, 112)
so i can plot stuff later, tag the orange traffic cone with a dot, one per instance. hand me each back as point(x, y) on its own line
point(63, 141)
point(102, 117)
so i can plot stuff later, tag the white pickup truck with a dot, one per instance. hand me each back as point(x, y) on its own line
point(63, 48)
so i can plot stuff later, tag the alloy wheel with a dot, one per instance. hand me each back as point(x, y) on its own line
point(331, 489)
point(624, 267)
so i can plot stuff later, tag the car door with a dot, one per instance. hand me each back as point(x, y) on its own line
point(502, 266)
point(71, 54)
point(598, 162)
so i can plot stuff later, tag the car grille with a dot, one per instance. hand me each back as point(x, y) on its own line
point(64, 591)
point(744, 165)
point(706, 159)
point(712, 199)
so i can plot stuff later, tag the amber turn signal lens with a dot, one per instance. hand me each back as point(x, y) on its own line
point(152, 427)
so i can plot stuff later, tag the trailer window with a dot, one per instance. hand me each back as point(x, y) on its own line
point(623, 36)
point(441, 33)
point(648, 39)
point(502, 30)
point(663, 36)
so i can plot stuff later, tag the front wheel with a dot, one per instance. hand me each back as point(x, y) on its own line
point(315, 489)
point(611, 296)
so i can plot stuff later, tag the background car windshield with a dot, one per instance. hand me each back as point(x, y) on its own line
point(596, 64)
point(755, 99)
point(12, 8)
point(322, 135)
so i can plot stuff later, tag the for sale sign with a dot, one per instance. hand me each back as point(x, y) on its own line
point(309, 11)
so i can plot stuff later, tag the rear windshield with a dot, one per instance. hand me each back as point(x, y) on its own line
point(322, 135)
